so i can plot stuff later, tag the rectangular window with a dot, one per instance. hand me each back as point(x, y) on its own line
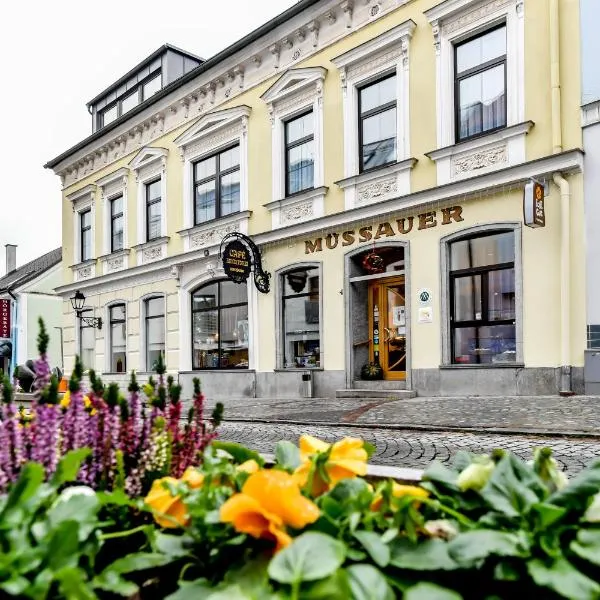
point(130, 102)
point(151, 87)
point(299, 154)
point(118, 335)
point(217, 185)
point(480, 84)
point(377, 123)
point(87, 341)
point(116, 224)
point(85, 229)
point(300, 316)
point(482, 290)
point(153, 210)
point(155, 331)
point(109, 115)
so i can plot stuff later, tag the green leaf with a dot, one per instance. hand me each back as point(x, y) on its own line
point(31, 477)
point(174, 546)
point(287, 455)
point(576, 495)
point(309, 557)
point(191, 590)
point(334, 587)
point(63, 545)
point(73, 584)
point(371, 542)
point(369, 583)
point(513, 487)
point(352, 492)
point(430, 591)
point(428, 555)
point(547, 514)
point(69, 466)
point(78, 504)
point(438, 473)
point(110, 579)
point(15, 586)
point(506, 571)
point(370, 449)
point(562, 577)
point(472, 546)
point(587, 545)
point(239, 452)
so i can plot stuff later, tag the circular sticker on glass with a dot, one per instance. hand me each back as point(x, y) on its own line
point(424, 296)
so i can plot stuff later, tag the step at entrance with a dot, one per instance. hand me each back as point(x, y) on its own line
point(380, 384)
point(376, 394)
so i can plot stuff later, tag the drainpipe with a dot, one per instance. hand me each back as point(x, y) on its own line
point(555, 77)
point(565, 280)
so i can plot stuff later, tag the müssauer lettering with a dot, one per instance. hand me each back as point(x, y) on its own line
point(403, 226)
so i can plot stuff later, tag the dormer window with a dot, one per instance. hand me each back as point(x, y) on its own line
point(130, 99)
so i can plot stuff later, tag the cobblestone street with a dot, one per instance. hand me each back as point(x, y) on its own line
point(415, 449)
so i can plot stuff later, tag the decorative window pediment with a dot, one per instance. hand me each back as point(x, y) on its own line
point(83, 198)
point(215, 124)
point(294, 81)
point(148, 155)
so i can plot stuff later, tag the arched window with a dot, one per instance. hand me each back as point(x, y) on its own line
point(117, 338)
point(220, 326)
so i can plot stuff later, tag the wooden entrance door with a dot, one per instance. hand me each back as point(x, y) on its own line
point(387, 326)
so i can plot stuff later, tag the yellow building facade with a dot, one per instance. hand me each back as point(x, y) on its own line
point(379, 155)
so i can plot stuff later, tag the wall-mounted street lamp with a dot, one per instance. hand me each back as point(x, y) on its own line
point(78, 304)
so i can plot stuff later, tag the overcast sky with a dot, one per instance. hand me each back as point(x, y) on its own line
point(59, 55)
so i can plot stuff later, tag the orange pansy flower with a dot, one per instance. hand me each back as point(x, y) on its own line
point(347, 459)
point(170, 511)
point(399, 490)
point(269, 501)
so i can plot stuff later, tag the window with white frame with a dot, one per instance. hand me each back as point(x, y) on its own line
point(377, 102)
point(215, 176)
point(299, 153)
point(295, 104)
point(117, 334)
point(150, 168)
point(114, 196)
point(87, 341)
point(85, 235)
point(153, 209)
point(116, 223)
point(375, 84)
point(154, 330)
point(480, 83)
point(480, 80)
point(217, 185)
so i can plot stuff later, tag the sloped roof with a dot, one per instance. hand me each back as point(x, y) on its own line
point(31, 270)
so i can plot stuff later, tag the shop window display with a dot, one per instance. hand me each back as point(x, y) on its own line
point(301, 319)
point(220, 326)
point(482, 289)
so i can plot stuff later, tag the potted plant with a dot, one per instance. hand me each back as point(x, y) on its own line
point(371, 371)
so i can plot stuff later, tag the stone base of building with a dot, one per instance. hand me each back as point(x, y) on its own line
point(453, 381)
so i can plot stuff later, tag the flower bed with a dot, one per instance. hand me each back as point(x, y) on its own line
point(312, 524)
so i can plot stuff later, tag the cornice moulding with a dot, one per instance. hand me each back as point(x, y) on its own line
point(389, 38)
point(253, 65)
point(567, 162)
point(88, 190)
point(451, 8)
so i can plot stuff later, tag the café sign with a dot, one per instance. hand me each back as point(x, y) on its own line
point(534, 213)
point(5, 319)
point(241, 256)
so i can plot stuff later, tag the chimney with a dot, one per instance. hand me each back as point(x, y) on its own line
point(11, 258)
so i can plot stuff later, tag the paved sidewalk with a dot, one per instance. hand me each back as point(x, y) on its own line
point(551, 415)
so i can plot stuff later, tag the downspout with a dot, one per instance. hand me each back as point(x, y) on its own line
point(565, 279)
point(555, 77)
point(565, 388)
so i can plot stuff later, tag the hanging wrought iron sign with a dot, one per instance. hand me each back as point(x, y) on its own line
point(241, 257)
